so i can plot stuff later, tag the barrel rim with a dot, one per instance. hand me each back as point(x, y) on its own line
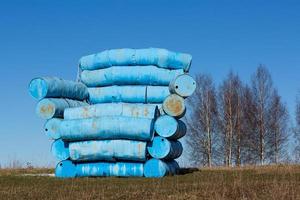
point(44, 90)
point(47, 115)
point(65, 149)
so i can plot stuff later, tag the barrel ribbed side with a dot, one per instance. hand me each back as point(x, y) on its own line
point(113, 109)
point(124, 57)
point(47, 87)
point(94, 150)
point(54, 107)
point(109, 150)
point(129, 75)
point(107, 127)
point(67, 169)
point(128, 94)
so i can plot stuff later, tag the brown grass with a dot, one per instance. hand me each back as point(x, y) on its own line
point(270, 182)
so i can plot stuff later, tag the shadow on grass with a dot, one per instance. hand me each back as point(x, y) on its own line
point(183, 171)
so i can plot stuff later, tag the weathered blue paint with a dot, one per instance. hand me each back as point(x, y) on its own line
point(156, 94)
point(54, 107)
point(51, 128)
point(93, 150)
point(155, 168)
point(123, 57)
point(184, 85)
point(128, 94)
point(60, 149)
point(162, 148)
point(174, 106)
point(130, 89)
point(129, 75)
point(122, 169)
point(46, 87)
point(138, 110)
point(67, 169)
point(168, 127)
point(108, 150)
point(107, 127)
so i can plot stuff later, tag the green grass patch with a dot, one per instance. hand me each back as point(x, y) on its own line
point(273, 182)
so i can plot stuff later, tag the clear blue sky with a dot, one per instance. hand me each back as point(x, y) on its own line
point(42, 38)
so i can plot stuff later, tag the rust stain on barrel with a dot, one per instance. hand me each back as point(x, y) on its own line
point(174, 105)
point(47, 109)
point(146, 111)
point(85, 112)
point(134, 112)
point(94, 125)
point(54, 128)
point(140, 152)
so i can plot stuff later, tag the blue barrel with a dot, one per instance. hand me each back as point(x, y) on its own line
point(162, 148)
point(46, 87)
point(155, 168)
point(67, 169)
point(174, 106)
point(168, 127)
point(129, 75)
point(51, 128)
point(128, 94)
point(139, 110)
point(184, 85)
point(54, 107)
point(107, 127)
point(124, 57)
point(110, 150)
point(156, 94)
point(60, 149)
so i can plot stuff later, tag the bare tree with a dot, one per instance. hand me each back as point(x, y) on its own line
point(250, 140)
point(297, 133)
point(239, 125)
point(262, 89)
point(202, 121)
point(278, 129)
point(230, 118)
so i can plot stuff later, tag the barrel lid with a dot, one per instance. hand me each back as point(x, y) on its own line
point(184, 85)
point(65, 169)
point(45, 109)
point(60, 149)
point(38, 88)
point(159, 148)
point(51, 128)
point(155, 168)
point(166, 126)
point(174, 106)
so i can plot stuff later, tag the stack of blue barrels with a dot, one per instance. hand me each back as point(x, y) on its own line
point(122, 117)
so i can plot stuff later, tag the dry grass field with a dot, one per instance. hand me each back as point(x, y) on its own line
point(272, 182)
